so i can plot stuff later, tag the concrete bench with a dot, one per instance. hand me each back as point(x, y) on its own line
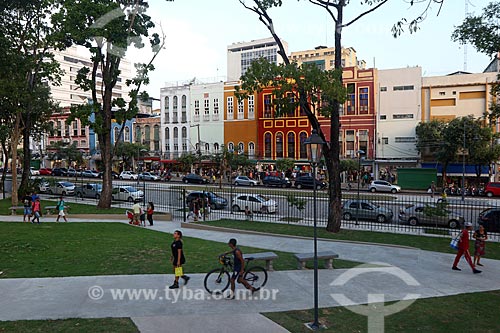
point(15, 208)
point(268, 257)
point(49, 209)
point(302, 258)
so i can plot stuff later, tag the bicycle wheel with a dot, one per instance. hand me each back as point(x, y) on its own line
point(216, 281)
point(256, 276)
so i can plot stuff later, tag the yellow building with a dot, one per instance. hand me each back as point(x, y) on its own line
point(456, 95)
point(324, 57)
point(240, 122)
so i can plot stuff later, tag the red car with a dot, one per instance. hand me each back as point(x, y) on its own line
point(45, 171)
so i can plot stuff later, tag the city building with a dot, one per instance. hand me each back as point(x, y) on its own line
point(241, 55)
point(324, 57)
point(147, 132)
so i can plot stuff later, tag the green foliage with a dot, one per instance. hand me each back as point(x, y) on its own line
point(186, 160)
point(66, 152)
point(439, 209)
point(284, 164)
point(129, 151)
point(348, 165)
point(293, 201)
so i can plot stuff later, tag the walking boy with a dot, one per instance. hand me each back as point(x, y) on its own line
point(178, 260)
point(463, 249)
point(36, 208)
point(60, 207)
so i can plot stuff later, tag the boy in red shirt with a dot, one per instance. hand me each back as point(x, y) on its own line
point(463, 249)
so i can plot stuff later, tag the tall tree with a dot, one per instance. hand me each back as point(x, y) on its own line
point(328, 85)
point(118, 25)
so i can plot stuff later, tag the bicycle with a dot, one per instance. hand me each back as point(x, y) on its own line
point(218, 279)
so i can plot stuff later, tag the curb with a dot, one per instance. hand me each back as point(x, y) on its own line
point(250, 232)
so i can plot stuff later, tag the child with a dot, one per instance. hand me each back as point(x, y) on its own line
point(150, 211)
point(27, 208)
point(248, 214)
point(130, 216)
point(36, 209)
point(60, 208)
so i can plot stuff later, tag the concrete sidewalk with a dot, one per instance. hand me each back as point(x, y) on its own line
point(407, 271)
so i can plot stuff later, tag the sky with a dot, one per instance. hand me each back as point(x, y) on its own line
point(199, 31)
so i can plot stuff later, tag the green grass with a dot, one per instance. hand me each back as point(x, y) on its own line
point(75, 208)
point(104, 325)
point(475, 312)
point(75, 249)
point(425, 243)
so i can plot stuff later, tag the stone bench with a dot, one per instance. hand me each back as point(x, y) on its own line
point(49, 209)
point(268, 257)
point(328, 256)
point(14, 209)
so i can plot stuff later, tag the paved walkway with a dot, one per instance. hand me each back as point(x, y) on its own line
point(424, 273)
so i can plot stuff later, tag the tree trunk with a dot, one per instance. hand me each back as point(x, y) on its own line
point(24, 187)
point(106, 151)
point(15, 140)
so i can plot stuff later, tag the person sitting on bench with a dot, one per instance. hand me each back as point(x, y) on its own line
point(248, 213)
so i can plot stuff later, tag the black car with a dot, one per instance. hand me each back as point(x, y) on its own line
point(113, 174)
point(194, 178)
point(215, 201)
point(490, 219)
point(276, 181)
point(59, 172)
point(308, 182)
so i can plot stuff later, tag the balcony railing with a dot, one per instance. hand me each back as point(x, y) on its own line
point(215, 117)
point(206, 117)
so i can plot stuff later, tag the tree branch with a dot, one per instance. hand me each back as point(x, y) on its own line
point(365, 13)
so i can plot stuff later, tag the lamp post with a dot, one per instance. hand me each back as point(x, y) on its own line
point(314, 145)
point(360, 152)
point(463, 167)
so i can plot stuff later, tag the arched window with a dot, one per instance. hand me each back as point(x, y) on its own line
point(167, 140)
point(230, 147)
point(174, 109)
point(156, 136)
point(207, 148)
point(184, 138)
point(216, 148)
point(303, 148)
point(176, 133)
point(279, 145)
point(291, 145)
point(147, 134)
point(116, 134)
point(251, 150)
point(241, 148)
point(176, 140)
point(183, 108)
point(267, 145)
point(127, 134)
point(167, 110)
point(138, 136)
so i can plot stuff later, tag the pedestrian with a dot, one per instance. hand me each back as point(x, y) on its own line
point(150, 211)
point(480, 237)
point(178, 260)
point(60, 208)
point(248, 214)
point(27, 208)
point(36, 209)
point(463, 249)
point(196, 209)
point(238, 269)
point(136, 209)
point(433, 189)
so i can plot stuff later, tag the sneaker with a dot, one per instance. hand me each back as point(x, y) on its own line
point(174, 286)
point(455, 268)
point(230, 296)
point(186, 279)
point(479, 264)
point(476, 271)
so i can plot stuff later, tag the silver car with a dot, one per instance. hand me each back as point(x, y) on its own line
point(430, 214)
point(245, 181)
point(62, 188)
point(127, 193)
point(383, 186)
point(366, 210)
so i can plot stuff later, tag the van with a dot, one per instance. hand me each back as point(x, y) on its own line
point(492, 189)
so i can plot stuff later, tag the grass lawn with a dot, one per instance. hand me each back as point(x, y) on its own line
point(477, 312)
point(74, 249)
point(422, 242)
point(75, 208)
point(122, 325)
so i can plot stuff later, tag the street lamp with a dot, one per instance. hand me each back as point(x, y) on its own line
point(314, 145)
point(360, 152)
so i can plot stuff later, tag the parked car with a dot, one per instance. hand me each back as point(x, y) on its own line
point(383, 186)
point(308, 182)
point(34, 172)
point(148, 176)
point(90, 174)
point(45, 171)
point(128, 175)
point(366, 210)
point(59, 172)
point(89, 191)
point(492, 189)
point(44, 186)
point(245, 181)
point(431, 214)
point(62, 188)
point(114, 174)
point(276, 181)
point(490, 219)
point(127, 193)
point(73, 172)
point(255, 202)
point(215, 201)
point(194, 178)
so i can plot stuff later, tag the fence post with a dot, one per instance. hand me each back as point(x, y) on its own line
point(184, 204)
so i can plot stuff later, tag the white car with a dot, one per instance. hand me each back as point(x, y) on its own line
point(255, 202)
point(383, 186)
point(127, 193)
point(34, 172)
point(245, 181)
point(128, 175)
point(90, 174)
point(62, 188)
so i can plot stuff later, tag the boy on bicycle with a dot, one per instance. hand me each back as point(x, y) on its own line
point(238, 268)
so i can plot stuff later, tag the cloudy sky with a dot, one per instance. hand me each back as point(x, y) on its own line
point(199, 31)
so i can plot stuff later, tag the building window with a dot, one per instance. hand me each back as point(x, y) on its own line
point(116, 134)
point(303, 148)
point(442, 93)
point(127, 134)
point(251, 107)
point(147, 134)
point(363, 100)
point(184, 139)
point(167, 110)
point(230, 108)
point(83, 143)
point(206, 104)
point(83, 130)
point(230, 147)
point(176, 140)
point(251, 150)
point(66, 130)
point(75, 128)
point(216, 148)
point(349, 143)
point(267, 145)
point(279, 145)
point(138, 137)
point(402, 116)
point(197, 108)
point(216, 106)
point(385, 141)
point(167, 140)
point(351, 99)
point(156, 137)
point(383, 88)
point(184, 108)
point(241, 148)
point(207, 148)
point(363, 140)
point(291, 145)
point(268, 108)
point(174, 109)
point(401, 88)
point(241, 109)
point(383, 117)
point(404, 139)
